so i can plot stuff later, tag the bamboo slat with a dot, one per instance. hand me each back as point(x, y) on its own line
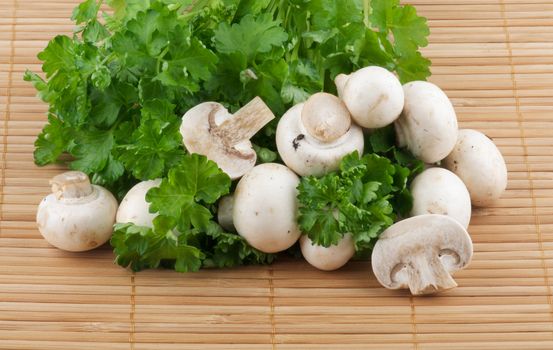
point(494, 58)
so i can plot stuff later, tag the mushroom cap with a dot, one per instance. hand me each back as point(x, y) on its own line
point(134, 208)
point(420, 253)
point(224, 213)
point(327, 259)
point(235, 160)
point(428, 124)
point(265, 207)
point(479, 163)
point(439, 191)
point(373, 95)
point(77, 224)
point(306, 155)
point(325, 117)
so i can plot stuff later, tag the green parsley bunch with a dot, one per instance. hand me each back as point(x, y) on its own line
point(118, 87)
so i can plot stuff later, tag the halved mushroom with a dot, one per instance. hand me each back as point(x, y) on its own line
point(209, 129)
point(373, 95)
point(428, 124)
point(421, 253)
point(314, 136)
point(76, 216)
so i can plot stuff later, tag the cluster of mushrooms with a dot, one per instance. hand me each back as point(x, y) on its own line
point(419, 253)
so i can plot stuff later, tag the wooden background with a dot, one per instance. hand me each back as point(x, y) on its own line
point(492, 57)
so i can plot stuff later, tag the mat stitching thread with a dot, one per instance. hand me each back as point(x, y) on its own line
point(528, 170)
point(272, 309)
point(7, 112)
point(413, 323)
point(133, 307)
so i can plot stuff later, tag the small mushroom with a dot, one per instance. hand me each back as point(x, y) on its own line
point(373, 95)
point(478, 162)
point(134, 208)
point(328, 259)
point(428, 124)
point(209, 129)
point(224, 213)
point(421, 253)
point(439, 191)
point(76, 216)
point(314, 136)
point(265, 206)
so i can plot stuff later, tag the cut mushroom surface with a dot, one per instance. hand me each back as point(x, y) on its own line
point(76, 216)
point(421, 253)
point(308, 154)
point(209, 129)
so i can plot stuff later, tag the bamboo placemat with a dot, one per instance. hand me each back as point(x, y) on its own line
point(494, 59)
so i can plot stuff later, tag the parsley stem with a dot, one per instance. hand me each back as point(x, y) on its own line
point(160, 58)
point(107, 58)
point(366, 10)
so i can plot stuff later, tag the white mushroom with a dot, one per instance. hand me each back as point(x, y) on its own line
point(373, 95)
point(265, 207)
point(439, 191)
point(478, 162)
point(328, 259)
point(421, 253)
point(76, 216)
point(428, 124)
point(224, 213)
point(209, 129)
point(134, 208)
point(313, 137)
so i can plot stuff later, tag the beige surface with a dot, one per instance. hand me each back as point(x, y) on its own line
point(494, 59)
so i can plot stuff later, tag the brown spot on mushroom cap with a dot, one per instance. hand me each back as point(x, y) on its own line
point(410, 254)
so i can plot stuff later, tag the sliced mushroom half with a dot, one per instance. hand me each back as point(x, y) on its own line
point(421, 253)
point(209, 129)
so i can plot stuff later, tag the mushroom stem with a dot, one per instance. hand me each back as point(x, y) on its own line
point(340, 82)
point(429, 276)
point(72, 184)
point(224, 214)
point(245, 123)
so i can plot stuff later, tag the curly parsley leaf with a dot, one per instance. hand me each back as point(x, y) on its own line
point(190, 185)
point(409, 31)
point(250, 37)
point(142, 248)
point(224, 249)
point(357, 199)
point(156, 145)
point(51, 142)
